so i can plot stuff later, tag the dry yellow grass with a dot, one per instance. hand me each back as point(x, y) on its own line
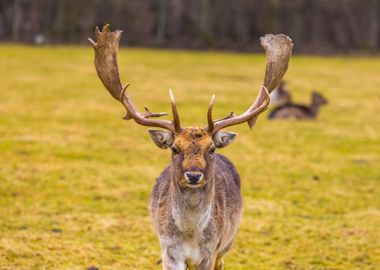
point(75, 179)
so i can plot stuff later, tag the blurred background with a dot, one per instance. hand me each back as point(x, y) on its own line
point(316, 26)
point(75, 179)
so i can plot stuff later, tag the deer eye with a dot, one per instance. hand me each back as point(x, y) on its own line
point(211, 151)
point(175, 151)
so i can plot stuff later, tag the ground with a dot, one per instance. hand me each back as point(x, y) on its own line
point(75, 178)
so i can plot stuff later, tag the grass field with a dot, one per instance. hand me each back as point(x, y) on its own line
point(75, 179)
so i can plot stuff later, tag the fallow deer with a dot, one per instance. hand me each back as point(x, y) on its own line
point(196, 201)
point(292, 110)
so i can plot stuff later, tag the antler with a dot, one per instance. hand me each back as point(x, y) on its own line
point(278, 49)
point(106, 66)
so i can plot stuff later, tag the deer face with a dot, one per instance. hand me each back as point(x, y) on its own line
point(193, 151)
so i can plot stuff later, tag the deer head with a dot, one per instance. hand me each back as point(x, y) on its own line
point(317, 99)
point(192, 148)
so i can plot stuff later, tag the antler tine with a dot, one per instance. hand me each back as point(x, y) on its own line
point(231, 115)
point(148, 113)
point(253, 111)
point(176, 121)
point(106, 47)
point(209, 114)
point(278, 49)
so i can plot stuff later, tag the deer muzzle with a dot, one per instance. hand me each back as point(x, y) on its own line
point(193, 177)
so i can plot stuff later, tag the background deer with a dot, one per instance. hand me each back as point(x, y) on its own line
point(290, 110)
point(280, 95)
point(196, 202)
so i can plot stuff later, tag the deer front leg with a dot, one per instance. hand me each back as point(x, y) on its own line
point(169, 262)
point(207, 264)
point(219, 264)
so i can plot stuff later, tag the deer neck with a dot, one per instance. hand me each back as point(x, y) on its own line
point(314, 108)
point(192, 208)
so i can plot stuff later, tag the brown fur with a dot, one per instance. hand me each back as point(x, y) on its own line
point(193, 142)
point(196, 226)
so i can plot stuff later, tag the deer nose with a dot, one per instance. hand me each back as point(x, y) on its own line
point(193, 177)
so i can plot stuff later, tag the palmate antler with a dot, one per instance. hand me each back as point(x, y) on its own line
point(106, 47)
point(278, 49)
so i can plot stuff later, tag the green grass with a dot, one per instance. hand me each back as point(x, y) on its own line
point(75, 179)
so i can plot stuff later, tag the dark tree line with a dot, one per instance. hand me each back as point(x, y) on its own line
point(315, 25)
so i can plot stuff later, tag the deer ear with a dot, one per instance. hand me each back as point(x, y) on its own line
point(162, 138)
point(223, 138)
